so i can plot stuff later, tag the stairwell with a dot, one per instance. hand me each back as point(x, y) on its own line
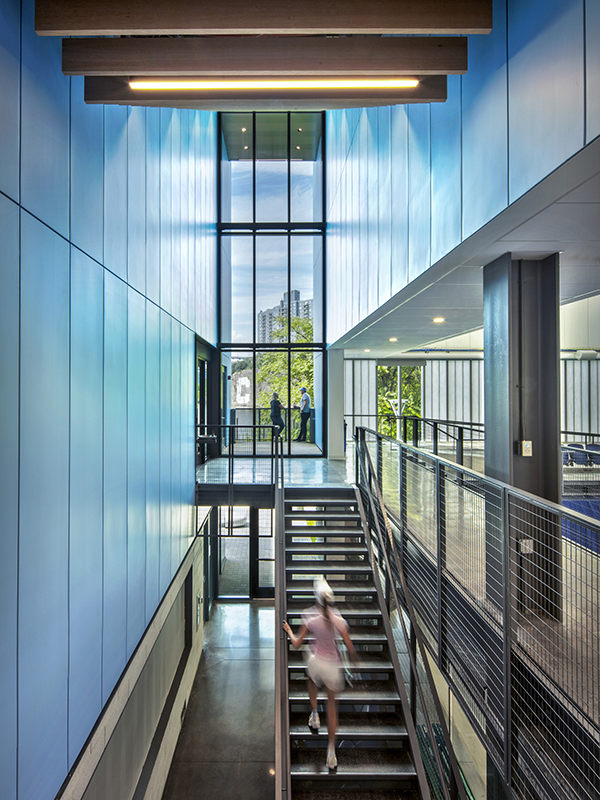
point(324, 536)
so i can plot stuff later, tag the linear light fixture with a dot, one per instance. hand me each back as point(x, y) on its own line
point(274, 84)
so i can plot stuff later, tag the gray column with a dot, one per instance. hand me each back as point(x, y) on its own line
point(521, 373)
point(522, 428)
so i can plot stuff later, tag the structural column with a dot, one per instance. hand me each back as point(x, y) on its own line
point(335, 404)
point(521, 374)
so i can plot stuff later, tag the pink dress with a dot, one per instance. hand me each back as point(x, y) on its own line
point(324, 663)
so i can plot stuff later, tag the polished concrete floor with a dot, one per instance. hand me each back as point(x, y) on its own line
point(226, 749)
point(297, 471)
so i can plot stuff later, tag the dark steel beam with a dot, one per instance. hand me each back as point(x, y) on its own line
point(146, 17)
point(276, 55)
point(116, 91)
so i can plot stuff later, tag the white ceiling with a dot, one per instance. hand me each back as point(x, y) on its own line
point(562, 213)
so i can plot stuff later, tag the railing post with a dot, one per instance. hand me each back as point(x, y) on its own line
point(435, 438)
point(440, 499)
point(404, 429)
point(379, 461)
point(507, 631)
point(460, 432)
point(415, 432)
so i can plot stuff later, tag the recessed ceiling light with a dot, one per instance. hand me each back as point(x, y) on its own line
point(300, 129)
point(244, 130)
point(245, 147)
point(297, 147)
point(367, 350)
point(276, 84)
point(439, 319)
point(393, 339)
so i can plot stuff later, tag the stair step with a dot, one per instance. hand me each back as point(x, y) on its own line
point(328, 568)
point(351, 726)
point(357, 763)
point(339, 588)
point(302, 505)
point(360, 693)
point(357, 610)
point(322, 516)
point(350, 532)
point(326, 548)
point(304, 790)
point(370, 661)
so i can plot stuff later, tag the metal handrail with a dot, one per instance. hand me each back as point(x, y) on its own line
point(282, 710)
point(400, 682)
point(456, 777)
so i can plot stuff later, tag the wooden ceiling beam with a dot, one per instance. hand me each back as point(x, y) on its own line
point(116, 91)
point(273, 55)
point(239, 17)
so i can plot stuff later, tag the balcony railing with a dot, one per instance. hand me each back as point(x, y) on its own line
point(506, 591)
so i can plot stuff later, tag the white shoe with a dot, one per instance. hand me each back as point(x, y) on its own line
point(331, 759)
point(313, 721)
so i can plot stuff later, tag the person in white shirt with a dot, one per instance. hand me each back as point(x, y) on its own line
point(304, 415)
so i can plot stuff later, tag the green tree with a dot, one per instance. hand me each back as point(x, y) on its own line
point(272, 366)
point(387, 394)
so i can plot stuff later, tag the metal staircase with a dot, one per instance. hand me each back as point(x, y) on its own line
point(324, 536)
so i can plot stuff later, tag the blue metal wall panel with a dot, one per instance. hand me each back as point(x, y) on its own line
point(115, 190)
point(446, 157)
point(546, 88)
point(419, 189)
point(399, 189)
point(152, 458)
point(592, 57)
point(176, 214)
point(85, 509)
point(184, 182)
point(485, 126)
point(153, 204)
point(136, 469)
point(9, 492)
point(43, 512)
point(136, 198)
point(114, 655)
point(166, 528)
point(10, 88)
point(44, 127)
point(87, 206)
point(166, 147)
point(175, 446)
point(372, 263)
point(385, 204)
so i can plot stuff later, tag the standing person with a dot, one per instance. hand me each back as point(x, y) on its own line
point(324, 665)
point(304, 415)
point(276, 409)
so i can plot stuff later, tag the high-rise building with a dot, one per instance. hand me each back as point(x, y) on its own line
point(298, 308)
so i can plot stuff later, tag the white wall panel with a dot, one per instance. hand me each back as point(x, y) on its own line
point(9, 492)
point(85, 512)
point(10, 89)
point(115, 483)
point(43, 511)
point(136, 468)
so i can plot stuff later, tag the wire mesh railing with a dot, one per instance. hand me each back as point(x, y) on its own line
point(435, 761)
point(506, 589)
point(282, 719)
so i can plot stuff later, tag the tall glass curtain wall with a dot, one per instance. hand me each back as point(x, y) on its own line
point(271, 272)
